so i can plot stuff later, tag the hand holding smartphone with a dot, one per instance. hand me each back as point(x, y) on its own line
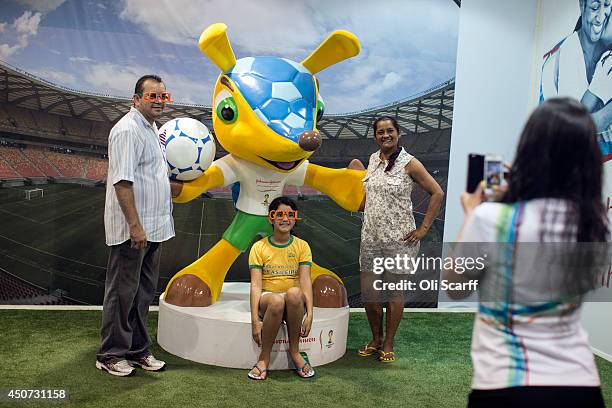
point(490, 168)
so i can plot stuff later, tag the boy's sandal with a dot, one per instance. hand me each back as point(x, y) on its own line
point(386, 356)
point(367, 350)
point(257, 377)
point(300, 371)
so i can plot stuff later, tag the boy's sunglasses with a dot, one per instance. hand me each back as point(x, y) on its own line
point(155, 96)
point(280, 214)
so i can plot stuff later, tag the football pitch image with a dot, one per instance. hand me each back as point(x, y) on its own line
point(57, 241)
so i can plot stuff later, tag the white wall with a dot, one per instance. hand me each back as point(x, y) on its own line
point(596, 319)
point(493, 87)
point(492, 90)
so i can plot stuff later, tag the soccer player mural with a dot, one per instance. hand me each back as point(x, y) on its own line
point(265, 112)
point(580, 66)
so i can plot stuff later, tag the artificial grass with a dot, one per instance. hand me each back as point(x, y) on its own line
point(56, 349)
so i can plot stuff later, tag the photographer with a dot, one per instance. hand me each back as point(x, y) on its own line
point(528, 347)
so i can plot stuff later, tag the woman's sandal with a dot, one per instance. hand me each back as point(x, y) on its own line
point(367, 350)
point(384, 356)
point(300, 371)
point(257, 377)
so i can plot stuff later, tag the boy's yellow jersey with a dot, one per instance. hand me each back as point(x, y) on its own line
point(280, 263)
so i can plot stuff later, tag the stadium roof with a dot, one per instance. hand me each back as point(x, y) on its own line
point(25, 90)
point(427, 111)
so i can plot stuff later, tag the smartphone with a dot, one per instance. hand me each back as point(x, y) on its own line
point(475, 171)
point(494, 172)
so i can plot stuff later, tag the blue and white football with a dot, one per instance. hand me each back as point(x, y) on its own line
point(281, 92)
point(189, 148)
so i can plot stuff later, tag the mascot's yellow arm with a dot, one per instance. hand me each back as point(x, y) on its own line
point(344, 186)
point(212, 177)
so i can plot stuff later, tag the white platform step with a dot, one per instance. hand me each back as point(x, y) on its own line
point(220, 334)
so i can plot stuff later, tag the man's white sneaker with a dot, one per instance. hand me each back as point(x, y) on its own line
point(149, 363)
point(121, 368)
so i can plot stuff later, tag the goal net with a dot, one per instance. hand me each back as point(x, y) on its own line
point(34, 193)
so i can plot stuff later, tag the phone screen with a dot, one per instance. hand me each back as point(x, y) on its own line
point(494, 171)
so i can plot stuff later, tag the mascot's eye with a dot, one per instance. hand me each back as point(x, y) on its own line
point(320, 108)
point(226, 108)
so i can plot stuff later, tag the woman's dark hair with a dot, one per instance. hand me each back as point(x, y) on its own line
point(282, 200)
point(380, 119)
point(558, 157)
point(395, 154)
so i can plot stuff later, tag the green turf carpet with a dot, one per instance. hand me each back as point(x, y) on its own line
point(56, 349)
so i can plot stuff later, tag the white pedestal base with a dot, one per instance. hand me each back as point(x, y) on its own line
point(220, 334)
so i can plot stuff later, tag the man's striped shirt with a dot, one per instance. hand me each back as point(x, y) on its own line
point(135, 155)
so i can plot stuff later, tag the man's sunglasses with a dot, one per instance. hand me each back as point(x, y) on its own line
point(280, 214)
point(155, 96)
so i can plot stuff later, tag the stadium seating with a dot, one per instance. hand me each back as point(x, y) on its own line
point(358, 148)
point(19, 292)
point(227, 189)
point(288, 190)
point(96, 169)
point(441, 144)
point(7, 172)
point(4, 117)
point(76, 127)
point(69, 165)
point(20, 162)
point(37, 157)
point(22, 117)
point(305, 190)
point(47, 122)
point(54, 125)
point(100, 131)
point(419, 144)
point(13, 288)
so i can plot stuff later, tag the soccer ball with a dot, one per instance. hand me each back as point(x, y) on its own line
point(189, 148)
point(281, 92)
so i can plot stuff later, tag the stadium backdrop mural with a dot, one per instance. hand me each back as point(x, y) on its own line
point(571, 31)
point(67, 72)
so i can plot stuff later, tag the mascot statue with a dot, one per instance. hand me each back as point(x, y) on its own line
point(265, 112)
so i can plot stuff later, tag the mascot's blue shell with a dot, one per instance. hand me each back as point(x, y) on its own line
point(280, 91)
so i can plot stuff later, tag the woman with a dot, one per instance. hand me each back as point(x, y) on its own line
point(528, 347)
point(281, 288)
point(389, 229)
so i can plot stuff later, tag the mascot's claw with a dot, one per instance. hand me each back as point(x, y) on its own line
point(175, 187)
point(328, 292)
point(188, 290)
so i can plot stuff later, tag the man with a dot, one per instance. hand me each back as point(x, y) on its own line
point(579, 66)
point(137, 219)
